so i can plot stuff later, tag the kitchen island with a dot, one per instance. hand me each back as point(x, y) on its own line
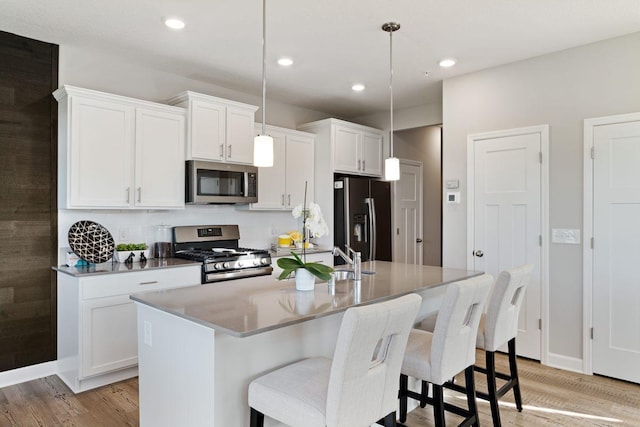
point(199, 347)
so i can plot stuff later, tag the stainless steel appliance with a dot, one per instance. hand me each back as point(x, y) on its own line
point(216, 246)
point(362, 217)
point(220, 183)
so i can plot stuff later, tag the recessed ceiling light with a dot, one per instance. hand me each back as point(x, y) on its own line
point(446, 63)
point(285, 62)
point(358, 87)
point(174, 23)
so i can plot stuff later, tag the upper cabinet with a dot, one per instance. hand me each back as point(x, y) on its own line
point(281, 187)
point(217, 129)
point(117, 152)
point(353, 148)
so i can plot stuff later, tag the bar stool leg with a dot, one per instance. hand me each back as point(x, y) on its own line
point(256, 419)
point(438, 405)
point(402, 395)
point(424, 393)
point(490, 358)
point(513, 368)
point(471, 394)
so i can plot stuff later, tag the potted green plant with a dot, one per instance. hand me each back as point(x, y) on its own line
point(306, 272)
point(313, 225)
point(126, 249)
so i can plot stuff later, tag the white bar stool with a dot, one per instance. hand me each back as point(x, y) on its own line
point(355, 389)
point(437, 357)
point(499, 326)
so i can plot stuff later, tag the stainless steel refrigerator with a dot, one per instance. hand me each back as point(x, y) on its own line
point(362, 217)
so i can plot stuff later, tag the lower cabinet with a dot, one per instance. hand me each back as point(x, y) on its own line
point(97, 330)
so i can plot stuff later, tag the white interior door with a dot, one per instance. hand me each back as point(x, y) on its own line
point(408, 214)
point(505, 217)
point(616, 251)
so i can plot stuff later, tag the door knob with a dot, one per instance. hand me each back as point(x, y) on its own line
point(418, 240)
point(478, 253)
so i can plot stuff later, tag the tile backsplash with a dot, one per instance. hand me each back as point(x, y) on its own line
point(258, 229)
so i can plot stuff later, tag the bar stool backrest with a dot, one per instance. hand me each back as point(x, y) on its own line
point(363, 383)
point(504, 306)
point(454, 337)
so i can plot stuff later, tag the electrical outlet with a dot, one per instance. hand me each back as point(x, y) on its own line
point(565, 235)
point(147, 333)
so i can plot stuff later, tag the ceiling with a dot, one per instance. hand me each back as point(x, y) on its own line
point(334, 43)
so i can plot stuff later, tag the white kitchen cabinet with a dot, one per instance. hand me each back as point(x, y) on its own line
point(217, 129)
point(117, 152)
point(97, 334)
point(281, 187)
point(356, 151)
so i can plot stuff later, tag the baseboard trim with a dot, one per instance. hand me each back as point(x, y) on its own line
point(567, 363)
point(28, 373)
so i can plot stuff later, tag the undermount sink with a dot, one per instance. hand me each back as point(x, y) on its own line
point(347, 274)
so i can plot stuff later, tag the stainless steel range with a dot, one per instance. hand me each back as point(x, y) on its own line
point(216, 246)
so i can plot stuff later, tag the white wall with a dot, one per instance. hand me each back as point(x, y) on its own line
point(560, 89)
point(112, 74)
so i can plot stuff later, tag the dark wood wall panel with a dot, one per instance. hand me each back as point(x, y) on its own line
point(28, 211)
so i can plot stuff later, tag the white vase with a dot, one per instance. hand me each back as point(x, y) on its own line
point(305, 281)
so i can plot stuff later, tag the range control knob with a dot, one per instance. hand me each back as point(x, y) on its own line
point(225, 265)
point(256, 262)
point(217, 266)
point(240, 264)
point(264, 261)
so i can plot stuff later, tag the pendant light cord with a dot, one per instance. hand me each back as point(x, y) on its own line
point(391, 92)
point(264, 66)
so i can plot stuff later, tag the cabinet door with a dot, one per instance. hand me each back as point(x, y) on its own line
point(101, 152)
point(371, 154)
point(346, 150)
point(271, 181)
point(299, 170)
point(207, 127)
point(159, 159)
point(240, 134)
point(109, 335)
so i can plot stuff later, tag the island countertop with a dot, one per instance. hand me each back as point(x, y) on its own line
point(251, 306)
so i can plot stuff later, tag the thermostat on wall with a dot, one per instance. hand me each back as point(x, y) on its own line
point(453, 197)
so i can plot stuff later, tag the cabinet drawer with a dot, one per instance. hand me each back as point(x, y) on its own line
point(142, 281)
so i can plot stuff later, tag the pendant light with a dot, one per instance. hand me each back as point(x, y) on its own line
point(391, 164)
point(263, 143)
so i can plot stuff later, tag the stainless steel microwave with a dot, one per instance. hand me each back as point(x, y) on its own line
point(220, 183)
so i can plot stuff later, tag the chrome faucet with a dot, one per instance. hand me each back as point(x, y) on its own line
point(355, 261)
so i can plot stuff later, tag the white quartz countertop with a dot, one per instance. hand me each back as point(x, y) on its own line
point(254, 305)
point(120, 267)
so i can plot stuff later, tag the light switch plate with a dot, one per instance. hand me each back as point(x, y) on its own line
point(565, 235)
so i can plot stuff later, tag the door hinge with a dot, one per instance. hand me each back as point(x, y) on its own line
point(593, 153)
point(540, 324)
point(591, 333)
point(592, 242)
point(540, 240)
point(540, 157)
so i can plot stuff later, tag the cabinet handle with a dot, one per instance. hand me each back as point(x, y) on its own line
point(221, 150)
point(149, 283)
point(229, 151)
point(289, 200)
point(128, 195)
point(363, 166)
point(283, 200)
point(139, 194)
point(359, 163)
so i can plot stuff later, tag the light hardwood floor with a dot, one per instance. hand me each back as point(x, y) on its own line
point(551, 397)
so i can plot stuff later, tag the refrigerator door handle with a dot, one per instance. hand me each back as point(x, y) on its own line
point(371, 204)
